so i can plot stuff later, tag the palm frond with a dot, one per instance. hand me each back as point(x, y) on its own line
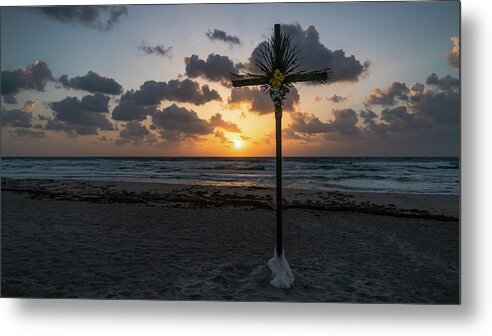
point(283, 55)
point(314, 77)
point(288, 58)
point(248, 79)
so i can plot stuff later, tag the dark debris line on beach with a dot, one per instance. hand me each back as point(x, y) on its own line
point(206, 196)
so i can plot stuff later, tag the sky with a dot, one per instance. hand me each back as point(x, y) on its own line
point(154, 80)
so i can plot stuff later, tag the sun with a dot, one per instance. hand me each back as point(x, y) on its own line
point(238, 143)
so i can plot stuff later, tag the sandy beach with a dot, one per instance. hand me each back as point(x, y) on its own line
point(79, 239)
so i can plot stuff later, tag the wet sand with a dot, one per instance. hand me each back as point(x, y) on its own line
point(74, 239)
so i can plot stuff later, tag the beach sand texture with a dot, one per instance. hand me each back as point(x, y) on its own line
point(74, 239)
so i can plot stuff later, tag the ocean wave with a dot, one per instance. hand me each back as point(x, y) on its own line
point(232, 167)
point(417, 175)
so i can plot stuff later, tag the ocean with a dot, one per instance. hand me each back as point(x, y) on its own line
point(430, 175)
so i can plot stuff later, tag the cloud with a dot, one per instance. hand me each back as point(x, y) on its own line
point(220, 134)
point(260, 101)
point(337, 99)
point(417, 88)
point(215, 68)
point(389, 96)
point(314, 55)
point(33, 77)
point(421, 120)
point(82, 117)
point(136, 134)
point(396, 119)
point(437, 107)
point(425, 108)
point(221, 35)
point(92, 82)
point(179, 119)
point(27, 133)
point(138, 104)
point(126, 111)
point(186, 91)
point(217, 121)
point(446, 83)
point(95, 103)
point(101, 18)
point(368, 117)
point(289, 133)
point(454, 55)
point(174, 124)
point(71, 129)
point(343, 123)
point(159, 50)
point(18, 117)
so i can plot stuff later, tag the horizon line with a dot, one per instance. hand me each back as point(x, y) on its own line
point(225, 157)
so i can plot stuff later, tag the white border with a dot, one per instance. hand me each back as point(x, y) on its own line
point(89, 317)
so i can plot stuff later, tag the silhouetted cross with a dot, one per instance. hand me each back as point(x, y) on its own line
point(278, 60)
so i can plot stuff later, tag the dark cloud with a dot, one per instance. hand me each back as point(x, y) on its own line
point(93, 83)
point(179, 119)
point(137, 105)
point(316, 56)
point(221, 35)
point(215, 68)
point(217, 121)
point(171, 136)
point(220, 134)
point(260, 101)
point(150, 93)
point(101, 18)
point(27, 133)
point(436, 107)
point(446, 83)
point(136, 134)
point(343, 123)
point(395, 114)
point(425, 109)
point(417, 88)
point(159, 50)
point(126, 111)
point(82, 117)
point(337, 99)
point(186, 91)
point(389, 96)
point(95, 103)
point(71, 129)
point(368, 117)
point(18, 117)
point(454, 55)
point(417, 121)
point(33, 77)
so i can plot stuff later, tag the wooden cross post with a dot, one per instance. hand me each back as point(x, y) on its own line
point(278, 61)
point(278, 147)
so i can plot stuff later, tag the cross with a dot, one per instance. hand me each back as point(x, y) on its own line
point(278, 61)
